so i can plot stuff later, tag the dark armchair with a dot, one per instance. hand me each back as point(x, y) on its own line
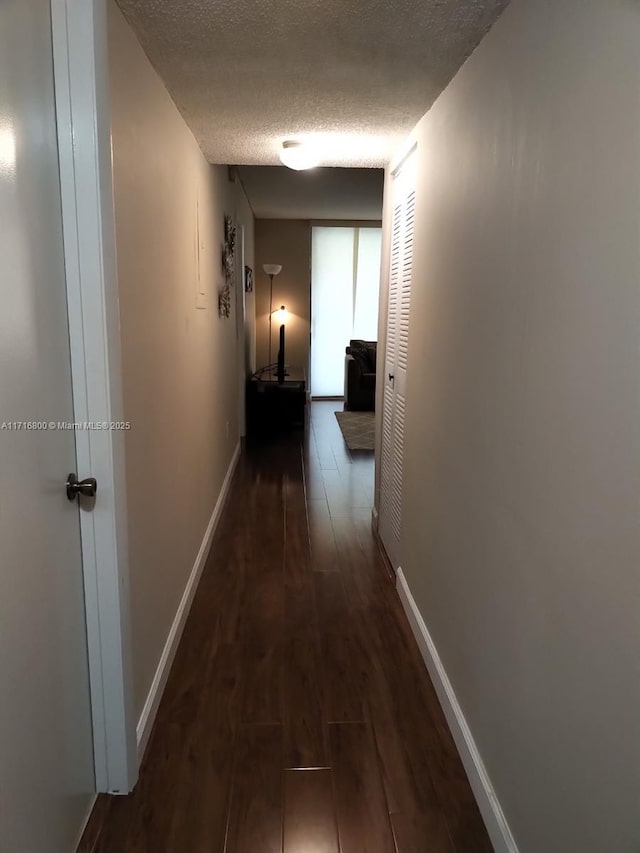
point(360, 375)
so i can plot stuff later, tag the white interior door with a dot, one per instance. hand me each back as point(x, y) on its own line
point(46, 765)
point(396, 356)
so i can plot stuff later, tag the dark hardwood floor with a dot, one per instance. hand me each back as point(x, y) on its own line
point(298, 716)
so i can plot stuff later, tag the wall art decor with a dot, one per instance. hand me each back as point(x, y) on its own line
point(228, 267)
point(248, 280)
point(224, 301)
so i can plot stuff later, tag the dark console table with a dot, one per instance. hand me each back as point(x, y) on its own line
point(273, 406)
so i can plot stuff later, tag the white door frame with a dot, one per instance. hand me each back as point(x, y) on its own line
point(81, 74)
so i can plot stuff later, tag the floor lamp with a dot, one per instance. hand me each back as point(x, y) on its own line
point(271, 270)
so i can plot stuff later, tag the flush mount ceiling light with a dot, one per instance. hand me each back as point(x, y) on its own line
point(298, 155)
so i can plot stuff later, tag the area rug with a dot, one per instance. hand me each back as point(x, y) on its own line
point(358, 429)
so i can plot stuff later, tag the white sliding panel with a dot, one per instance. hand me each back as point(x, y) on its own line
point(331, 307)
point(367, 284)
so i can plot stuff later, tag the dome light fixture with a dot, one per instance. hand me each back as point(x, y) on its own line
point(298, 155)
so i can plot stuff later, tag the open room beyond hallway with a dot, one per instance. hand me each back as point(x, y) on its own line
point(345, 285)
point(298, 715)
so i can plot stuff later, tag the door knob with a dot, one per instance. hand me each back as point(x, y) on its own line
point(76, 487)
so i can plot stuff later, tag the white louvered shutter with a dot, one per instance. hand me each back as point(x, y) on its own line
point(386, 475)
point(396, 362)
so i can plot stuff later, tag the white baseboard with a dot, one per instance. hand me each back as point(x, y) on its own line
point(85, 822)
point(493, 816)
point(148, 715)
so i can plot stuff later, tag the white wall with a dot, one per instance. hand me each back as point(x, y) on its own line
point(244, 214)
point(179, 362)
point(521, 535)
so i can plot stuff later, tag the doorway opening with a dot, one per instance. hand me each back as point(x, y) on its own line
point(345, 283)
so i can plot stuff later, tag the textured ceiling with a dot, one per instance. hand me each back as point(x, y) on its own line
point(278, 193)
point(355, 74)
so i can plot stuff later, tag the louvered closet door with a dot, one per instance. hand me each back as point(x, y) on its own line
point(396, 355)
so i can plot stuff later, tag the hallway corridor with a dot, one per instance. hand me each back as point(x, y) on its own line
point(298, 716)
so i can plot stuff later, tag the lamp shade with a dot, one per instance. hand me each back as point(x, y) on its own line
point(272, 269)
point(281, 314)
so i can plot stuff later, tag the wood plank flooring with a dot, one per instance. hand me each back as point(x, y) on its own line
point(298, 716)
